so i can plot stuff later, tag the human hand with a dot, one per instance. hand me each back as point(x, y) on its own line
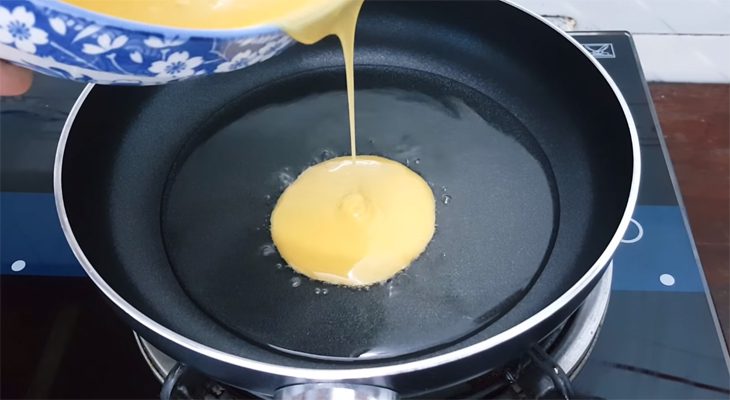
point(14, 80)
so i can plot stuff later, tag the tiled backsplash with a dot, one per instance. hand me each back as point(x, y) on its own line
point(678, 40)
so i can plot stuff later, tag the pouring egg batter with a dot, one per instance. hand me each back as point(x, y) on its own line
point(354, 220)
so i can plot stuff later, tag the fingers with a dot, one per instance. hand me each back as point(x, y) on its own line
point(14, 80)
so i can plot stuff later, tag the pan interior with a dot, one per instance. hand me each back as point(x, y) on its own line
point(496, 214)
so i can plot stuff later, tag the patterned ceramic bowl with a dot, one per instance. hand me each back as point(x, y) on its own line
point(62, 40)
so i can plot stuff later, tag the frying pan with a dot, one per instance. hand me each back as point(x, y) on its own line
point(164, 194)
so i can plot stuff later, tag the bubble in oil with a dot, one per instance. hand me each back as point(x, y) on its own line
point(324, 155)
point(327, 154)
point(296, 281)
point(267, 249)
point(279, 266)
point(445, 198)
point(417, 161)
point(392, 290)
point(285, 177)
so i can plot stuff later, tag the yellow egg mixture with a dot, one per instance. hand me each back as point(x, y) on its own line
point(354, 223)
point(354, 220)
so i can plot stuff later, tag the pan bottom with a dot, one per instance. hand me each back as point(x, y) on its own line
point(496, 216)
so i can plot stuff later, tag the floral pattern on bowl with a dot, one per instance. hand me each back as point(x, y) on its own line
point(60, 40)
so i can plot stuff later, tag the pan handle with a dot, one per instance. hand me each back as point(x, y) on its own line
point(334, 391)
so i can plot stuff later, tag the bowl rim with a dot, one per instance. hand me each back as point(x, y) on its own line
point(165, 31)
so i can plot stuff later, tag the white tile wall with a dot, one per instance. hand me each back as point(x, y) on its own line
point(642, 16)
point(691, 16)
point(670, 58)
point(678, 40)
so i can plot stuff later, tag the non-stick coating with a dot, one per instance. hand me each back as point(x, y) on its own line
point(128, 146)
point(494, 187)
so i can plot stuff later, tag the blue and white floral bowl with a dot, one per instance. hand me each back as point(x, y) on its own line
point(62, 40)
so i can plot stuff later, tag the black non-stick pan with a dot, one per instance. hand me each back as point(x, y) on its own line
point(165, 194)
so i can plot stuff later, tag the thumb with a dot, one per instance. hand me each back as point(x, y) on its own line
point(14, 80)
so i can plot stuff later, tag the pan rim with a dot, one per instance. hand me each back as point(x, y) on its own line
point(330, 374)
